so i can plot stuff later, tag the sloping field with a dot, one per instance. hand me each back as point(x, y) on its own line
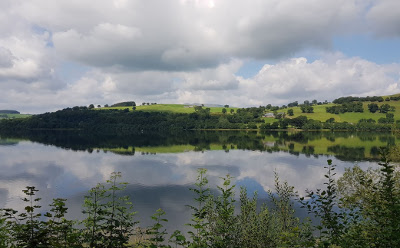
point(321, 114)
point(174, 108)
point(10, 116)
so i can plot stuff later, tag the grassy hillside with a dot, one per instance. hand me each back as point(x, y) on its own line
point(11, 116)
point(319, 111)
point(174, 108)
point(352, 117)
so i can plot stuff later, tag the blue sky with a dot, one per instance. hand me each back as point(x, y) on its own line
point(378, 50)
point(58, 54)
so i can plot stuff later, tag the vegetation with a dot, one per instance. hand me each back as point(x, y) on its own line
point(124, 104)
point(13, 116)
point(358, 99)
point(170, 108)
point(125, 121)
point(346, 107)
point(360, 209)
point(348, 113)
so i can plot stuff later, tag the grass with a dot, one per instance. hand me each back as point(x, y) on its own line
point(320, 113)
point(11, 116)
point(173, 108)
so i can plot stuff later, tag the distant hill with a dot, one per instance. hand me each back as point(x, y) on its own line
point(9, 112)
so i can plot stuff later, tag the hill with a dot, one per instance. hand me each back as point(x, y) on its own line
point(320, 113)
point(9, 112)
point(172, 108)
point(165, 117)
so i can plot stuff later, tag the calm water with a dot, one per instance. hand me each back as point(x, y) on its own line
point(161, 168)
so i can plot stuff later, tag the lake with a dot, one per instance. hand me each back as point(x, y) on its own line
point(160, 168)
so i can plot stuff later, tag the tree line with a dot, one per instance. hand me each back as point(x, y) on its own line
point(114, 121)
point(126, 121)
point(349, 99)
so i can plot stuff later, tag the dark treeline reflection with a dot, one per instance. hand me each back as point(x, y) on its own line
point(346, 146)
point(78, 141)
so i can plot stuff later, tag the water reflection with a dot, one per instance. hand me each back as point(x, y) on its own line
point(161, 168)
point(346, 146)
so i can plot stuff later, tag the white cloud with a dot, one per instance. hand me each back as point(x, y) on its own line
point(293, 79)
point(297, 79)
point(24, 58)
point(219, 78)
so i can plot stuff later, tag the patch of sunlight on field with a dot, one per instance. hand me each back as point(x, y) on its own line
point(173, 108)
point(320, 113)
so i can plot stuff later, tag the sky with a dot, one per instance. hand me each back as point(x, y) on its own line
point(65, 53)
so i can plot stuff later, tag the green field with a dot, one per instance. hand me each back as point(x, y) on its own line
point(12, 116)
point(320, 113)
point(173, 108)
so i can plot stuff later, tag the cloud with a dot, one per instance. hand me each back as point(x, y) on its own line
point(6, 58)
point(24, 58)
point(383, 17)
point(219, 78)
point(322, 79)
point(187, 35)
point(293, 79)
point(297, 79)
point(186, 51)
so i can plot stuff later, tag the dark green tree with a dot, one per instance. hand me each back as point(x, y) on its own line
point(384, 108)
point(373, 107)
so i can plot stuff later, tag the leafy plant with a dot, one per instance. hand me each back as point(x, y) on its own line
point(156, 231)
point(95, 209)
point(61, 231)
point(383, 210)
point(200, 224)
point(119, 222)
point(109, 221)
point(178, 238)
point(323, 205)
point(26, 228)
point(222, 218)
